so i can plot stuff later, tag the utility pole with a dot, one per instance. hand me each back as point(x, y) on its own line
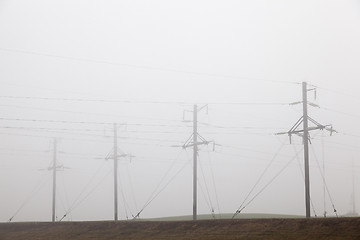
point(306, 149)
point(353, 193)
point(54, 182)
point(306, 139)
point(193, 141)
point(115, 156)
point(54, 168)
point(195, 154)
point(324, 182)
point(115, 174)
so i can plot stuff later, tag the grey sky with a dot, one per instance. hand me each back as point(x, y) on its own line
point(176, 53)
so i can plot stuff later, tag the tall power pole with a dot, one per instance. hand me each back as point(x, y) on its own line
point(353, 192)
point(193, 141)
point(115, 156)
point(54, 182)
point(195, 154)
point(306, 149)
point(115, 174)
point(305, 135)
point(54, 168)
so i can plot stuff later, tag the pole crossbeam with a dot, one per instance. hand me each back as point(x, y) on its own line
point(190, 142)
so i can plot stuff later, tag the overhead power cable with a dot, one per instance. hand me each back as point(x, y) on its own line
point(131, 187)
point(87, 122)
point(51, 129)
point(78, 201)
point(238, 127)
point(66, 195)
point(137, 102)
point(126, 204)
point(211, 209)
point(340, 112)
point(262, 189)
point(213, 180)
point(91, 113)
point(103, 140)
point(76, 131)
point(259, 179)
point(91, 100)
point(349, 134)
point(210, 204)
point(79, 59)
point(31, 195)
point(52, 121)
point(337, 92)
point(324, 181)
point(158, 190)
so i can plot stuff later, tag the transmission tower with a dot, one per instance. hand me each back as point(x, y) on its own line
point(54, 181)
point(193, 142)
point(54, 168)
point(116, 156)
point(304, 119)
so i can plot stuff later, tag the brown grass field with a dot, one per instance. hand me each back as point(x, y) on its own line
point(317, 228)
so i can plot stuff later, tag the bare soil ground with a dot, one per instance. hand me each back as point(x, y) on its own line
point(320, 228)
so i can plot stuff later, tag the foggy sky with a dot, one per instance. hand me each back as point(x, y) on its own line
point(145, 63)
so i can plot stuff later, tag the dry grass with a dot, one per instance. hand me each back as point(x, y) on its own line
point(330, 228)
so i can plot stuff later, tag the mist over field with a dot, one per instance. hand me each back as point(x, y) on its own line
point(69, 70)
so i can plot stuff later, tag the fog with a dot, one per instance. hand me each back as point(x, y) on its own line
point(70, 69)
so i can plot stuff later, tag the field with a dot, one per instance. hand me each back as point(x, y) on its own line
point(320, 228)
point(225, 216)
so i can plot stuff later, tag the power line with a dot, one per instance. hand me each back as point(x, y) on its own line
point(137, 102)
point(41, 184)
point(142, 67)
point(54, 121)
point(104, 140)
point(79, 201)
point(51, 129)
point(259, 179)
point(326, 186)
point(349, 134)
point(158, 190)
point(340, 112)
point(209, 202)
point(78, 131)
point(336, 92)
point(25, 135)
point(25, 150)
point(262, 189)
point(87, 122)
point(213, 180)
point(250, 150)
point(88, 113)
point(343, 145)
point(91, 100)
point(239, 127)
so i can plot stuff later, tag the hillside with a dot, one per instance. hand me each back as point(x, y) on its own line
point(330, 228)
